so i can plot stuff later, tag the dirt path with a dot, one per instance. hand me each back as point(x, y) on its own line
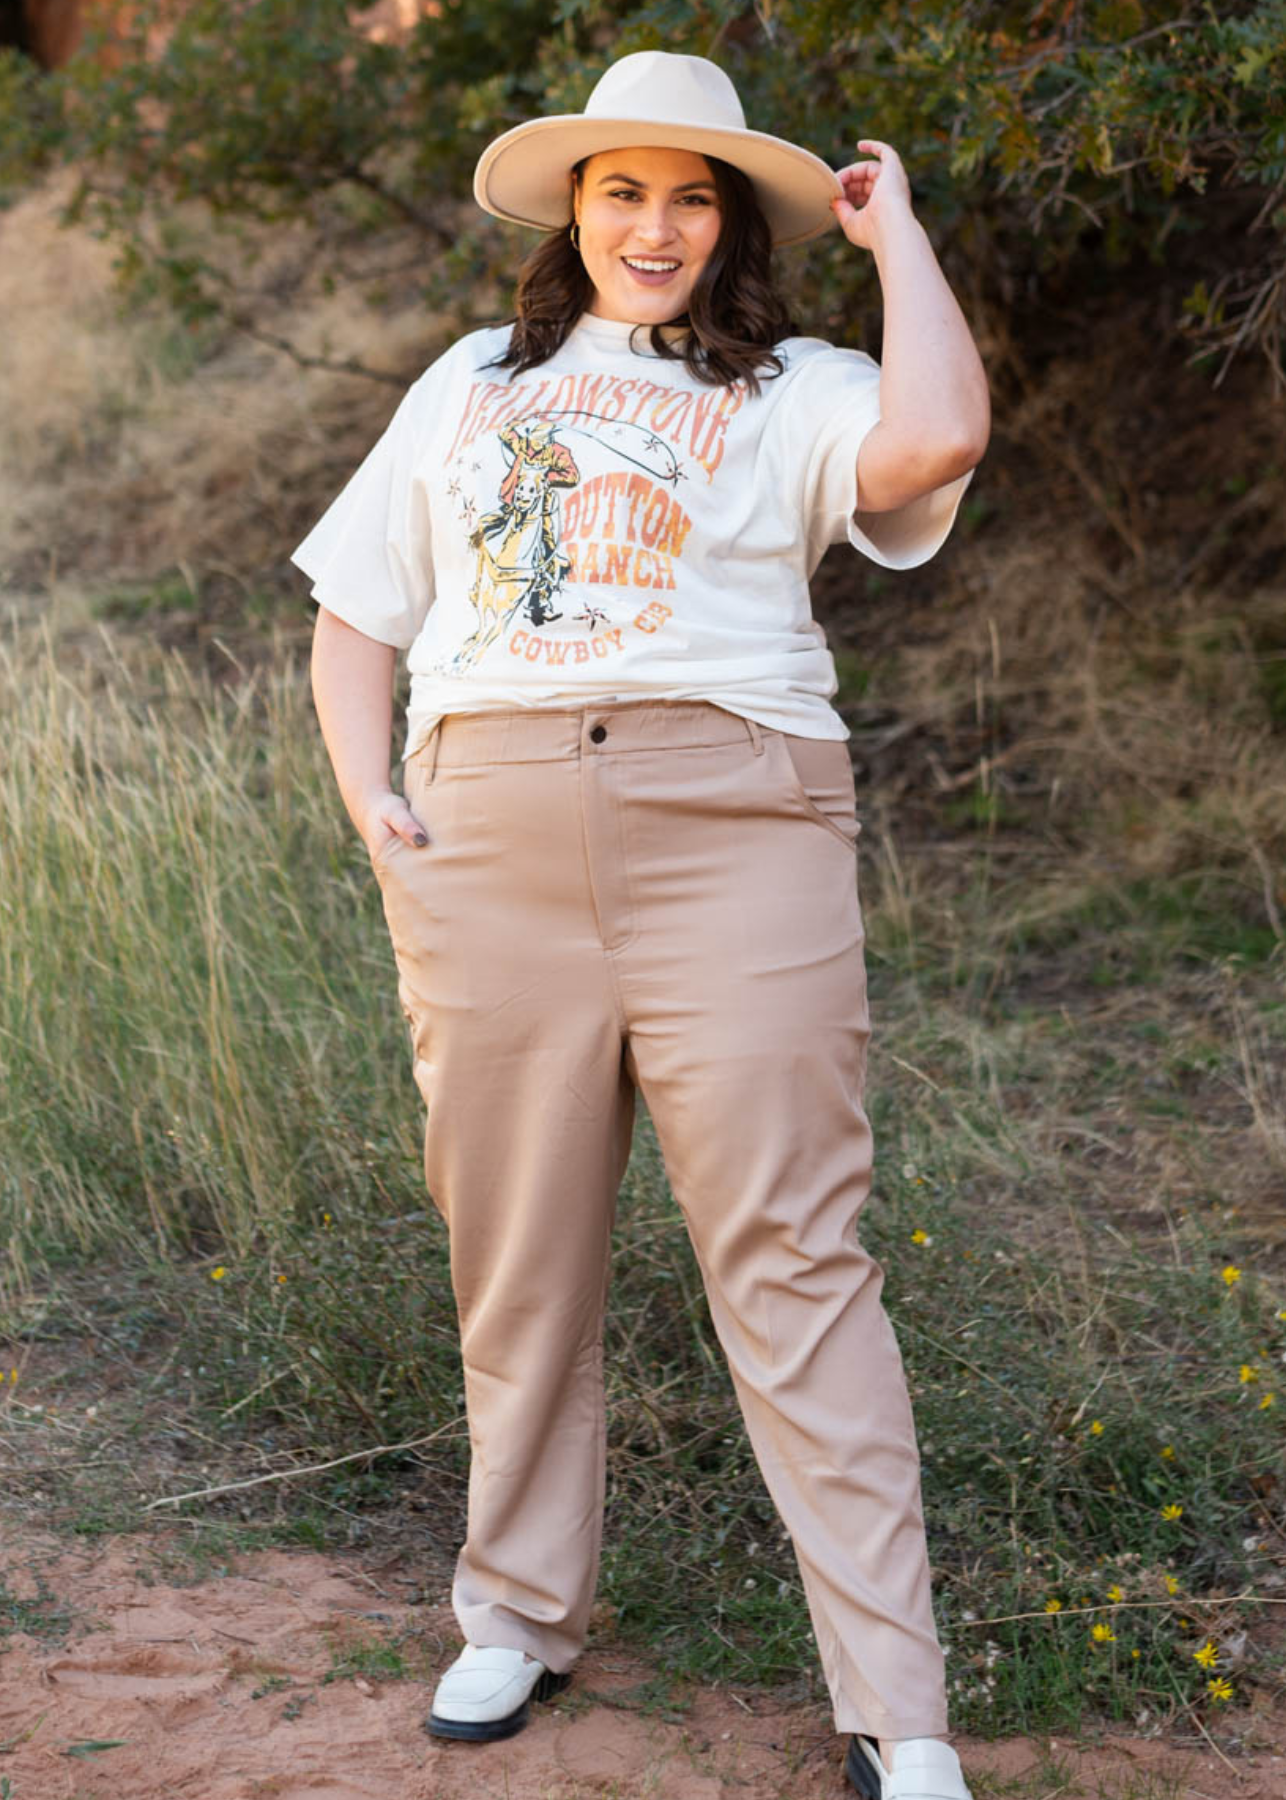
point(306, 1677)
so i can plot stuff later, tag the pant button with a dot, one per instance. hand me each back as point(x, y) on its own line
point(598, 734)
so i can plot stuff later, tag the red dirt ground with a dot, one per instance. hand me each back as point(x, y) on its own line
point(263, 1679)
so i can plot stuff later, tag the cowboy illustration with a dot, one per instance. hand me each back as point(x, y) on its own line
point(518, 561)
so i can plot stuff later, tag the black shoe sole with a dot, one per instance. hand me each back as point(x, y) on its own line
point(490, 1730)
point(857, 1766)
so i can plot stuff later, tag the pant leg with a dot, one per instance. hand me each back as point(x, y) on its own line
point(745, 994)
point(518, 1055)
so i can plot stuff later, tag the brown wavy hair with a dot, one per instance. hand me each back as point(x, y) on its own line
point(735, 312)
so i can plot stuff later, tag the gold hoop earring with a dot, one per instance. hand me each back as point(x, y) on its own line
point(574, 234)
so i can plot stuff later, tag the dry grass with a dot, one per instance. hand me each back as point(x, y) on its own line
point(137, 447)
point(1100, 657)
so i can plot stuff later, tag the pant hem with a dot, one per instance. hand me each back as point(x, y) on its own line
point(512, 1637)
point(893, 1725)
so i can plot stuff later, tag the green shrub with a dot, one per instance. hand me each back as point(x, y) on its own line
point(1043, 143)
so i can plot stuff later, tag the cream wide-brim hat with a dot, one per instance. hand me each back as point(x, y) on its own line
point(655, 98)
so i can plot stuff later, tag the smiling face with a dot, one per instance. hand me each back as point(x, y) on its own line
point(649, 220)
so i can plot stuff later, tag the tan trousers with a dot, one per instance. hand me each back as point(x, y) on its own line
point(659, 896)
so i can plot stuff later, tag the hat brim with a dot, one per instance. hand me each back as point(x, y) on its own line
point(524, 175)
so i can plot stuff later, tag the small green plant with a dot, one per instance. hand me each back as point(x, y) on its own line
point(274, 1684)
point(133, 603)
point(35, 1615)
point(104, 1517)
point(95, 1746)
point(367, 1659)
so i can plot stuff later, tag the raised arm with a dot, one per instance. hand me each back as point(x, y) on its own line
point(353, 693)
point(935, 416)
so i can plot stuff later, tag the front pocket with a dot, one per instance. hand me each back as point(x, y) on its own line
point(417, 782)
point(385, 850)
point(821, 777)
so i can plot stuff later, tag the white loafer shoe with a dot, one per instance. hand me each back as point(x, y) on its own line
point(923, 1769)
point(486, 1691)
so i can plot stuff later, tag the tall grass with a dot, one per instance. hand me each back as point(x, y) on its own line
point(195, 1041)
point(203, 1072)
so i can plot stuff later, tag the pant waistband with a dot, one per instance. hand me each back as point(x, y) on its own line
point(554, 734)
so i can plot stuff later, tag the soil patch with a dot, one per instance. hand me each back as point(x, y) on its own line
point(307, 1676)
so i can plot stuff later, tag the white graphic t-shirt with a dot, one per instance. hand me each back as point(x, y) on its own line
point(606, 527)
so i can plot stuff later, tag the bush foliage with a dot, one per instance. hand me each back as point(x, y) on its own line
point(1042, 138)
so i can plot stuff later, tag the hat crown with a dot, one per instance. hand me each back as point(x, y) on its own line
point(660, 86)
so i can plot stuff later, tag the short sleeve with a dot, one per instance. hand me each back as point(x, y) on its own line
point(370, 555)
point(834, 402)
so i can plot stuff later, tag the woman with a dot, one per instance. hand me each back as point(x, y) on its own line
point(624, 859)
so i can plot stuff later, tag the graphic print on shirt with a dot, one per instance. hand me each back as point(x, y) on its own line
point(604, 515)
point(518, 561)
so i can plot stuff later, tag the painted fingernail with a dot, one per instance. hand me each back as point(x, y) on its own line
point(420, 839)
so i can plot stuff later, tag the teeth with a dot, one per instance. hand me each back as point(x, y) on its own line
point(636, 262)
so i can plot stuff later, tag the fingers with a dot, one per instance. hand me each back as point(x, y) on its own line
point(848, 205)
point(876, 147)
point(884, 155)
point(394, 819)
point(408, 827)
point(858, 183)
point(879, 184)
point(858, 180)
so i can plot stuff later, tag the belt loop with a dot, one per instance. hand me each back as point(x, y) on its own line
point(429, 751)
point(756, 736)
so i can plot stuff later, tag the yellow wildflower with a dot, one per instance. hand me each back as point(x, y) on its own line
point(1207, 1656)
point(1167, 1450)
point(1103, 1634)
point(1114, 1593)
point(1096, 1427)
point(1136, 1653)
point(1268, 1399)
point(1219, 1689)
point(1172, 1512)
point(1052, 1605)
point(281, 1280)
point(1171, 1585)
point(919, 1237)
point(1231, 1273)
point(1247, 1373)
point(218, 1274)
